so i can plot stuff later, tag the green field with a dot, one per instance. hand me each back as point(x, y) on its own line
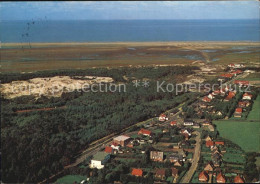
point(244, 134)
point(254, 113)
point(71, 179)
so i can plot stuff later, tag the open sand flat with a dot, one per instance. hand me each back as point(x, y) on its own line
point(49, 86)
point(17, 57)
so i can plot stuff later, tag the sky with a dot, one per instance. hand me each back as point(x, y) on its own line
point(130, 10)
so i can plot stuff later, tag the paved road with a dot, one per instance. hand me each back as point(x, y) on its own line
point(195, 160)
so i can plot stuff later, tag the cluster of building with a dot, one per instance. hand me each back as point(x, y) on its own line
point(212, 169)
point(243, 104)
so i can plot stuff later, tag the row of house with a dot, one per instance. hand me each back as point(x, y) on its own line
point(204, 177)
point(159, 173)
point(244, 103)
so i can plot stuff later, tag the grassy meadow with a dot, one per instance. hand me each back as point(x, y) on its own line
point(243, 133)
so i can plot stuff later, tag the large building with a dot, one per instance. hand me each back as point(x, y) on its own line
point(99, 159)
point(122, 140)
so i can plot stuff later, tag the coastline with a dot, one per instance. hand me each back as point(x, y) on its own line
point(154, 43)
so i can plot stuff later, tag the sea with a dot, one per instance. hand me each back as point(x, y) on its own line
point(43, 30)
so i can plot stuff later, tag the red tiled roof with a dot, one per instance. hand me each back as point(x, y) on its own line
point(238, 179)
point(239, 110)
point(206, 99)
point(162, 115)
point(108, 149)
point(173, 123)
point(221, 178)
point(203, 176)
point(241, 82)
point(144, 131)
point(219, 143)
point(237, 72)
point(137, 172)
point(247, 94)
point(209, 143)
point(227, 75)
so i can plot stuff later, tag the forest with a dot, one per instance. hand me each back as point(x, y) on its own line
point(39, 143)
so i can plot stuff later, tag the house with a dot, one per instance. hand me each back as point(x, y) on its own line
point(227, 75)
point(165, 130)
point(201, 105)
point(173, 123)
point(247, 96)
point(163, 117)
point(188, 122)
point(175, 172)
point(241, 83)
point(237, 72)
point(231, 94)
point(208, 138)
point(99, 159)
point(115, 146)
point(211, 128)
point(144, 132)
point(211, 96)
point(206, 99)
point(160, 174)
point(235, 65)
point(216, 92)
point(185, 131)
point(137, 172)
point(222, 92)
point(219, 143)
point(203, 177)
point(239, 179)
point(243, 104)
point(122, 140)
point(238, 112)
point(209, 167)
point(221, 178)
point(156, 156)
point(175, 157)
point(196, 125)
point(209, 144)
point(109, 149)
point(178, 164)
point(206, 123)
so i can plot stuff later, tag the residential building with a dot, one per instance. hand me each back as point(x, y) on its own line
point(188, 122)
point(175, 172)
point(122, 140)
point(163, 117)
point(209, 167)
point(239, 179)
point(238, 112)
point(160, 174)
point(241, 83)
point(206, 99)
point(156, 156)
point(137, 172)
point(99, 159)
point(203, 177)
point(221, 178)
point(173, 123)
point(247, 96)
point(209, 144)
point(208, 138)
point(145, 132)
